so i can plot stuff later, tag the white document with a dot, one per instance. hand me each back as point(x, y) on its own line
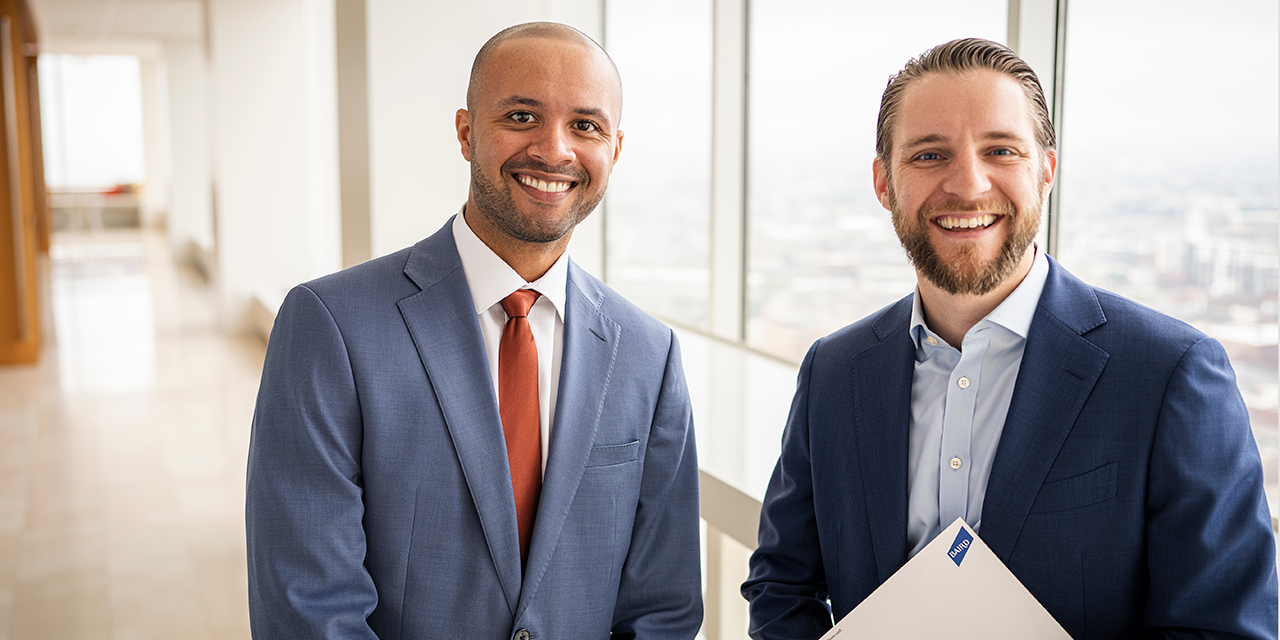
point(955, 588)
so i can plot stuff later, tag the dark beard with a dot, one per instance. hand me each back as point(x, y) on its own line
point(960, 275)
point(498, 206)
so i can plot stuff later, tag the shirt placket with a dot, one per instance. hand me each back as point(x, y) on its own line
point(955, 460)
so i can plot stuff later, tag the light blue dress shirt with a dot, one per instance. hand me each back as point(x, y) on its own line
point(959, 400)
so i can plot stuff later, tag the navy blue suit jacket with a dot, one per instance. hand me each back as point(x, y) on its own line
point(1126, 492)
point(379, 499)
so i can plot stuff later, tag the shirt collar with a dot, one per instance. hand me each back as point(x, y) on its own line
point(1014, 314)
point(1017, 311)
point(491, 279)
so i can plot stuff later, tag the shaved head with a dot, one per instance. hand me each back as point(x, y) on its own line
point(534, 30)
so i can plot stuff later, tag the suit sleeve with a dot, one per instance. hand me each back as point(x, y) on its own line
point(660, 588)
point(787, 587)
point(1210, 547)
point(303, 506)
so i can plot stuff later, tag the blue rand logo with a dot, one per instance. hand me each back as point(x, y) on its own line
point(960, 546)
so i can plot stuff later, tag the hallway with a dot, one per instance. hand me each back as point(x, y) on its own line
point(122, 453)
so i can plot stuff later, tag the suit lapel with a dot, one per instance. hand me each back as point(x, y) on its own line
point(882, 417)
point(1059, 370)
point(446, 332)
point(587, 359)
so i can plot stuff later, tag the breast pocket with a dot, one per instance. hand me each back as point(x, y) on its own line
point(1086, 489)
point(612, 454)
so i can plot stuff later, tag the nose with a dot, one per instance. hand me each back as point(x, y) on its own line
point(967, 177)
point(552, 145)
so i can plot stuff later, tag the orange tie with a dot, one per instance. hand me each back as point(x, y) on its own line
point(518, 406)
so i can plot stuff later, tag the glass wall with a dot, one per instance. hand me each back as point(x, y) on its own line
point(657, 230)
point(1169, 181)
point(1168, 185)
point(821, 251)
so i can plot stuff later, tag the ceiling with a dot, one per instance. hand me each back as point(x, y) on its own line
point(115, 22)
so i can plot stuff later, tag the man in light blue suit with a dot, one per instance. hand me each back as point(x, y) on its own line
point(380, 497)
point(1099, 448)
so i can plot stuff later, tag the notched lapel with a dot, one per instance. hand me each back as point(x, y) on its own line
point(586, 365)
point(1059, 370)
point(446, 332)
point(882, 418)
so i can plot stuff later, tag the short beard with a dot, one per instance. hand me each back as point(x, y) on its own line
point(962, 274)
point(497, 205)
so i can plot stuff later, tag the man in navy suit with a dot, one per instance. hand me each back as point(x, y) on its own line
point(1099, 448)
point(381, 500)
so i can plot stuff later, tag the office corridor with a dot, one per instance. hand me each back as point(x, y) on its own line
point(122, 453)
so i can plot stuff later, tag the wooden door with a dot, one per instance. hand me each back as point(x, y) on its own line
point(20, 184)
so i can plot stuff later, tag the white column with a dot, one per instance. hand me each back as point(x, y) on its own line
point(190, 219)
point(155, 140)
point(728, 171)
point(353, 130)
point(275, 138)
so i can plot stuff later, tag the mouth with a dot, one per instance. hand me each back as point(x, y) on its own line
point(964, 223)
point(547, 187)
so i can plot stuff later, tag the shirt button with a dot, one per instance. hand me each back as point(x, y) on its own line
point(963, 382)
point(932, 341)
point(522, 634)
point(955, 463)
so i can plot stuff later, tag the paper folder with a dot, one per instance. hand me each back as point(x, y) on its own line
point(955, 588)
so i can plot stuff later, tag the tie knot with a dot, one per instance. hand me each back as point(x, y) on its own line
point(517, 304)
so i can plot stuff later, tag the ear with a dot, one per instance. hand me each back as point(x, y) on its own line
point(617, 147)
point(1050, 169)
point(880, 177)
point(462, 122)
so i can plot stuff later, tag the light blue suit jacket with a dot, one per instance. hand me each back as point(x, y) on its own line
point(1126, 492)
point(379, 499)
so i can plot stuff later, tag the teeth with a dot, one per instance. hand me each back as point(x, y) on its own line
point(966, 223)
point(543, 185)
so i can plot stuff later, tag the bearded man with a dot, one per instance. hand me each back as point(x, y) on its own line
point(472, 437)
point(1099, 448)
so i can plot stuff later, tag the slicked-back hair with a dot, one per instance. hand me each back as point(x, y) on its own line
point(547, 30)
point(959, 57)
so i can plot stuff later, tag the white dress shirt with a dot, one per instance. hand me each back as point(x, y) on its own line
point(490, 280)
point(959, 401)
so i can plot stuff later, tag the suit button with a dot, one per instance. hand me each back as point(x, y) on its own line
point(522, 634)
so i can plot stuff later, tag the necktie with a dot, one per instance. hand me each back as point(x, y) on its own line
point(518, 406)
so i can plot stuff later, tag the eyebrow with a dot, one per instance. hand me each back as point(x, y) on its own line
point(522, 101)
point(934, 138)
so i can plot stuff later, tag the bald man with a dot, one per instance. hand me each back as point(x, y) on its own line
point(472, 437)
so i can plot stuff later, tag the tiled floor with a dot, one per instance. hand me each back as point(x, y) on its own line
point(122, 454)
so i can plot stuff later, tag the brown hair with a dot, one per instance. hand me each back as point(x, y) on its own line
point(960, 56)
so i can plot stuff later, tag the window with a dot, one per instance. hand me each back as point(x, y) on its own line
point(1168, 182)
point(91, 109)
point(657, 233)
point(821, 251)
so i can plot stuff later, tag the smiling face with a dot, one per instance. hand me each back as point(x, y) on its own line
point(541, 136)
point(966, 179)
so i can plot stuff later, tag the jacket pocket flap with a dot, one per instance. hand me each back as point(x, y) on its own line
point(606, 455)
point(1083, 490)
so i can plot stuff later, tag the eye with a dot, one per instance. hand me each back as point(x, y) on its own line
point(929, 156)
point(1002, 152)
point(585, 125)
point(523, 117)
